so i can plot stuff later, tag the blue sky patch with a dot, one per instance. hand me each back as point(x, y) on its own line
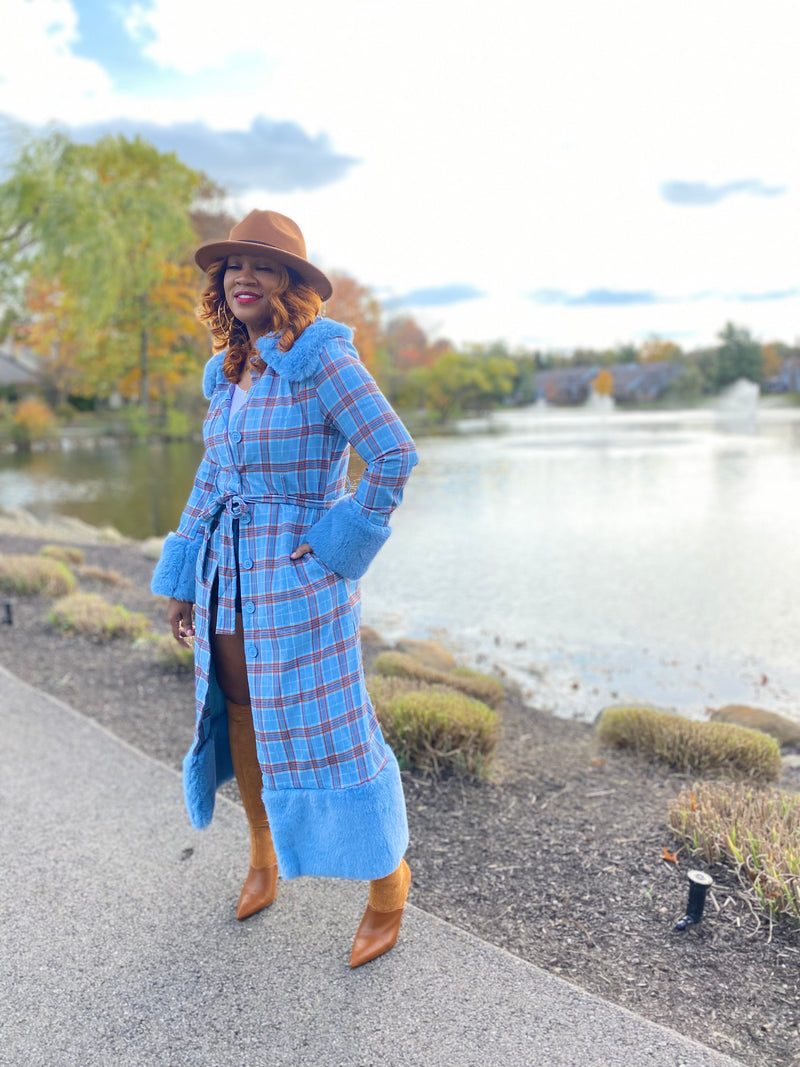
point(702, 194)
point(102, 36)
point(434, 296)
point(594, 297)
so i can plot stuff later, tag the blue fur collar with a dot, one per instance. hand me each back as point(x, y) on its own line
point(296, 365)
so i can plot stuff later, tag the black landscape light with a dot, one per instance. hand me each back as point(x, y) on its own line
point(8, 617)
point(699, 884)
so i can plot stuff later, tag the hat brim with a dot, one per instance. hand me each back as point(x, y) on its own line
point(217, 250)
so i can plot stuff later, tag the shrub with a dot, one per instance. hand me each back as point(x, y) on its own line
point(88, 615)
point(66, 553)
point(173, 656)
point(435, 728)
point(178, 425)
point(429, 653)
point(755, 831)
point(693, 747)
point(480, 686)
point(103, 574)
point(35, 576)
point(33, 421)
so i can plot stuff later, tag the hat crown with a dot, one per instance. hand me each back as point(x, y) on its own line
point(272, 229)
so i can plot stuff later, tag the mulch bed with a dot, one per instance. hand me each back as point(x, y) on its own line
point(559, 859)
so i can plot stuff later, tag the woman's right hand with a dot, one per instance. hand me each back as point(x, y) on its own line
point(179, 617)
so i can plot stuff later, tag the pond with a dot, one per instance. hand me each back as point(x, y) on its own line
point(594, 556)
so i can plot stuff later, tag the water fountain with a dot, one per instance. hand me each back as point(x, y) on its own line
point(736, 408)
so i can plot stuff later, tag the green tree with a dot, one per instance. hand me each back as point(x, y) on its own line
point(103, 227)
point(458, 383)
point(739, 355)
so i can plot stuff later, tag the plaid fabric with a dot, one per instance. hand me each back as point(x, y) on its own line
point(278, 468)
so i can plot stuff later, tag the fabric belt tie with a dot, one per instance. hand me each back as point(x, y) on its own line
point(236, 506)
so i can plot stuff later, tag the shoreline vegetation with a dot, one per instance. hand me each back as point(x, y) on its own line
point(530, 832)
point(126, 428)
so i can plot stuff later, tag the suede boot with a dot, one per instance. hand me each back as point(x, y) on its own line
point(261, 884)
point(380, 925)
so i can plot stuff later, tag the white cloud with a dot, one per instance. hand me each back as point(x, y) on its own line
point(40, 78)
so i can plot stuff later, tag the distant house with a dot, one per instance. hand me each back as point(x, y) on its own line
point(643, 382)
point(18, 371)
point(633, 382)
point(566, 385)
point(787, 380)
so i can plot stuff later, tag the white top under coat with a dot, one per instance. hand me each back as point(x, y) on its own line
point(238, 397)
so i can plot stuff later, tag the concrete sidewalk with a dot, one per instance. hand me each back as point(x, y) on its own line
point(119, 944)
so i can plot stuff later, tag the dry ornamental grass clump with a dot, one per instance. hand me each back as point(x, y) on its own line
point(172, 656)
point(480, 686)
point(435, 728)
point(66, 553)
point(35, 576)
point(693, 747)
point(88, 615)
point(103, 574)
point(755, 831)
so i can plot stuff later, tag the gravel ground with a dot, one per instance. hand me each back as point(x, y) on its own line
point(558, 859)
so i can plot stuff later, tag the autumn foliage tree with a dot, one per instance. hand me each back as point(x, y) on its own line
point(357, 306)
point(407, 344)
point(658, 350)
point(98, 237)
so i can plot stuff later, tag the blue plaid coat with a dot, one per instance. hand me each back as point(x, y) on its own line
point(272, 479)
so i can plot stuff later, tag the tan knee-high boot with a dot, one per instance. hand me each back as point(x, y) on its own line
point(260, 886)
point(381, 922)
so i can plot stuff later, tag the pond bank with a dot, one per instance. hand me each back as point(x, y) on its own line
point(559, 859)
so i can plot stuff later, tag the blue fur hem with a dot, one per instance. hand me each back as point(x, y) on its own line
point(360, 832)
point(345, 540)
point(208, 764)
point(175, 571)
point(300, 363)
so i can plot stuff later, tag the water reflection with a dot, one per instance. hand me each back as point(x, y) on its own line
point(625, 556)
point(139, 489)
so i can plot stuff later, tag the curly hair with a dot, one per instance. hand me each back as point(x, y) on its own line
point(294, 304)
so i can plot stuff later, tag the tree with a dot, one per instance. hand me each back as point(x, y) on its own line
point(357, 306)
point(603, 383)
point(407, 344)
point(774, 355)
point(103, 229)
point(457, 383)
point(657, 350)
point(739, 355)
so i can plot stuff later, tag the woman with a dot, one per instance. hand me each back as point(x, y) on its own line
point(263, 574)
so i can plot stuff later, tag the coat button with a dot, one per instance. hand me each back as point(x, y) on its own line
point(252, 651)
point(249, 606)
point(247, 564)
point(235, 437)
point(245, 519)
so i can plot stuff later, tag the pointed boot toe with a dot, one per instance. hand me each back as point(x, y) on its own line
point(258, 891)
point(376, 934)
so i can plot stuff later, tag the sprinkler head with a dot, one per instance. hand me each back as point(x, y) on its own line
point(699, 884)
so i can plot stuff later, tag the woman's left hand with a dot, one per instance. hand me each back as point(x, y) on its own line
point(301, 550)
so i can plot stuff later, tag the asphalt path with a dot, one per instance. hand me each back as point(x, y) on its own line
point(119, 943)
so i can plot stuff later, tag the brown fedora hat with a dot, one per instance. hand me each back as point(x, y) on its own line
point(274, 235)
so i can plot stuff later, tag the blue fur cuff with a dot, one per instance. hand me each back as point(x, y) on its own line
point(360, 832)
point(175, 571)
point(345, 540)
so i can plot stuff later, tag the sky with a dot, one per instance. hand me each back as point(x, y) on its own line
point(553, 175)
